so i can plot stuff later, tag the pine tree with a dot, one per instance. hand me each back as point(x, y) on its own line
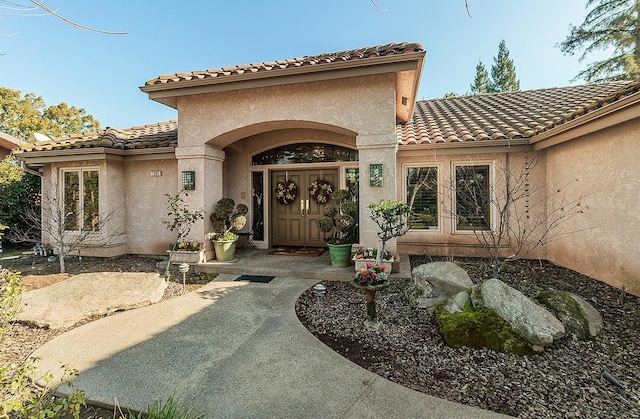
point(610, 25)
point(503, 72)
point(481, 84)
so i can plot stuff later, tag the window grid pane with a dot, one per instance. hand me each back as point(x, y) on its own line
point(71, 214)
point(91, 212)
point(473, 199)
point(422, 196)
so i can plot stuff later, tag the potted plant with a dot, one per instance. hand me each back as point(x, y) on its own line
point(393, 219)
point(364, 255)
point(183, 218)
point(371, 278)
point(226, 223)
point(339, 217)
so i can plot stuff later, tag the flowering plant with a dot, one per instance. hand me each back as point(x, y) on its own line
point(188, 246)
point(320, 190)
point(371, 274)
point(370, 253)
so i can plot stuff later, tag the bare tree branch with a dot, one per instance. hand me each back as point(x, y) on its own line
point(51, 227)
point(71, 22)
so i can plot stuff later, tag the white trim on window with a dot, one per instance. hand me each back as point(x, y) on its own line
point(81, 184)
point(491, 197)
point(439, 209)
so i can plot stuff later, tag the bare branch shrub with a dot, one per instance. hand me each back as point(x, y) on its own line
point(509, 215)
point(54, 227)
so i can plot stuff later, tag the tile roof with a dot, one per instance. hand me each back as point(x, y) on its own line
point(275, 66)
point(479, 118)
point(509, 115)
point(161, 134)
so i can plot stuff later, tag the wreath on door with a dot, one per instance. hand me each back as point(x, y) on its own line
point(320, 191)
point(286, 192)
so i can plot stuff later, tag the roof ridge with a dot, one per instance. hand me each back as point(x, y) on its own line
point(281, 64)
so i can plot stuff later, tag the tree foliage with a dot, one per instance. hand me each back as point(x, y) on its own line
point(610, 25)
point(503, 72)
point(481, 83)
point(21, 116)
point(20, 194)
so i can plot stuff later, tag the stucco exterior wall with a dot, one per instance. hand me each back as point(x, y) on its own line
point(146, 205)
point(603, 244)
point(235, 124)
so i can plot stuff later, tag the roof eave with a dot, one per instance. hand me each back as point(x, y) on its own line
point(620, 111)
point(167, 93)
point(44, 157)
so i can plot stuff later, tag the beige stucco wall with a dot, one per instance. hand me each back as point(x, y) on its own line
point(604, 244)
point(235, 124)
point(146, 204)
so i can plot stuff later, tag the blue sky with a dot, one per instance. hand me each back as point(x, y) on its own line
point(102, 73)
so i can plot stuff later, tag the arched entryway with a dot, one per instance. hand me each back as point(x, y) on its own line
point(293, 223)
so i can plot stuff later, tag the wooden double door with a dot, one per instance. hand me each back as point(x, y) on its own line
point(294, 224)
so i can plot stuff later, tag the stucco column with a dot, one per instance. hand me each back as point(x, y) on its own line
point(207, 162)
point(376, 149)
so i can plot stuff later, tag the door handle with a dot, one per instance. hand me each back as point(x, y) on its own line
point(302, 207)
point(307, 207)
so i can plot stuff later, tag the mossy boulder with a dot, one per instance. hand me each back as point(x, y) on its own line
point(477, 326)
point(495, 316)
point(579, 317)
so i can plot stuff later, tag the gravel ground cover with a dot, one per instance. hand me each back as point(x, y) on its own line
point(566, 380)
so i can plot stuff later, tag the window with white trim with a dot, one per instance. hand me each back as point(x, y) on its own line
point(81, 200)
point(473, 197)
point(422, 196)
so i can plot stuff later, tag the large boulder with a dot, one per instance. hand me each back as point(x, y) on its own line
point(579, 317)
point(531, 321)
point(89, 295)
point(495, 316)
point(432, 283)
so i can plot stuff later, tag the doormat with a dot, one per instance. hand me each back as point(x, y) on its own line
point(263, 279)
point(297, 251)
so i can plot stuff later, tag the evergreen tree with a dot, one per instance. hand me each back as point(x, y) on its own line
point(503, 72)
point(481, 83)
point(610, 25)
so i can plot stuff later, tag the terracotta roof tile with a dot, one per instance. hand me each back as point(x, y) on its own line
point(322, 59)
point(161, 134)
point(509, 115)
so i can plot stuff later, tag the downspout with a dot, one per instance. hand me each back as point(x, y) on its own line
point(25, 168)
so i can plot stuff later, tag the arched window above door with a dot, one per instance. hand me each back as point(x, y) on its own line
point(305, 153)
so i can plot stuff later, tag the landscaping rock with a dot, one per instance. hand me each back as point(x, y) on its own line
point(432, 283)
point(89, 295)
point(496, 316)
point(534, 323)
point(579, 317)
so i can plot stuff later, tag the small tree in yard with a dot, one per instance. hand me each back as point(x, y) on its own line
point(65, 231)
point(393, 219)
point(525, 216)
point(182, 216)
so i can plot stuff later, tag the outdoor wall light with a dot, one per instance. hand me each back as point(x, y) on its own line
point(189, 180)
point(375, 175)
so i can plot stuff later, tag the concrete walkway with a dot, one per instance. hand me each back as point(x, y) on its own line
point(231, 349)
